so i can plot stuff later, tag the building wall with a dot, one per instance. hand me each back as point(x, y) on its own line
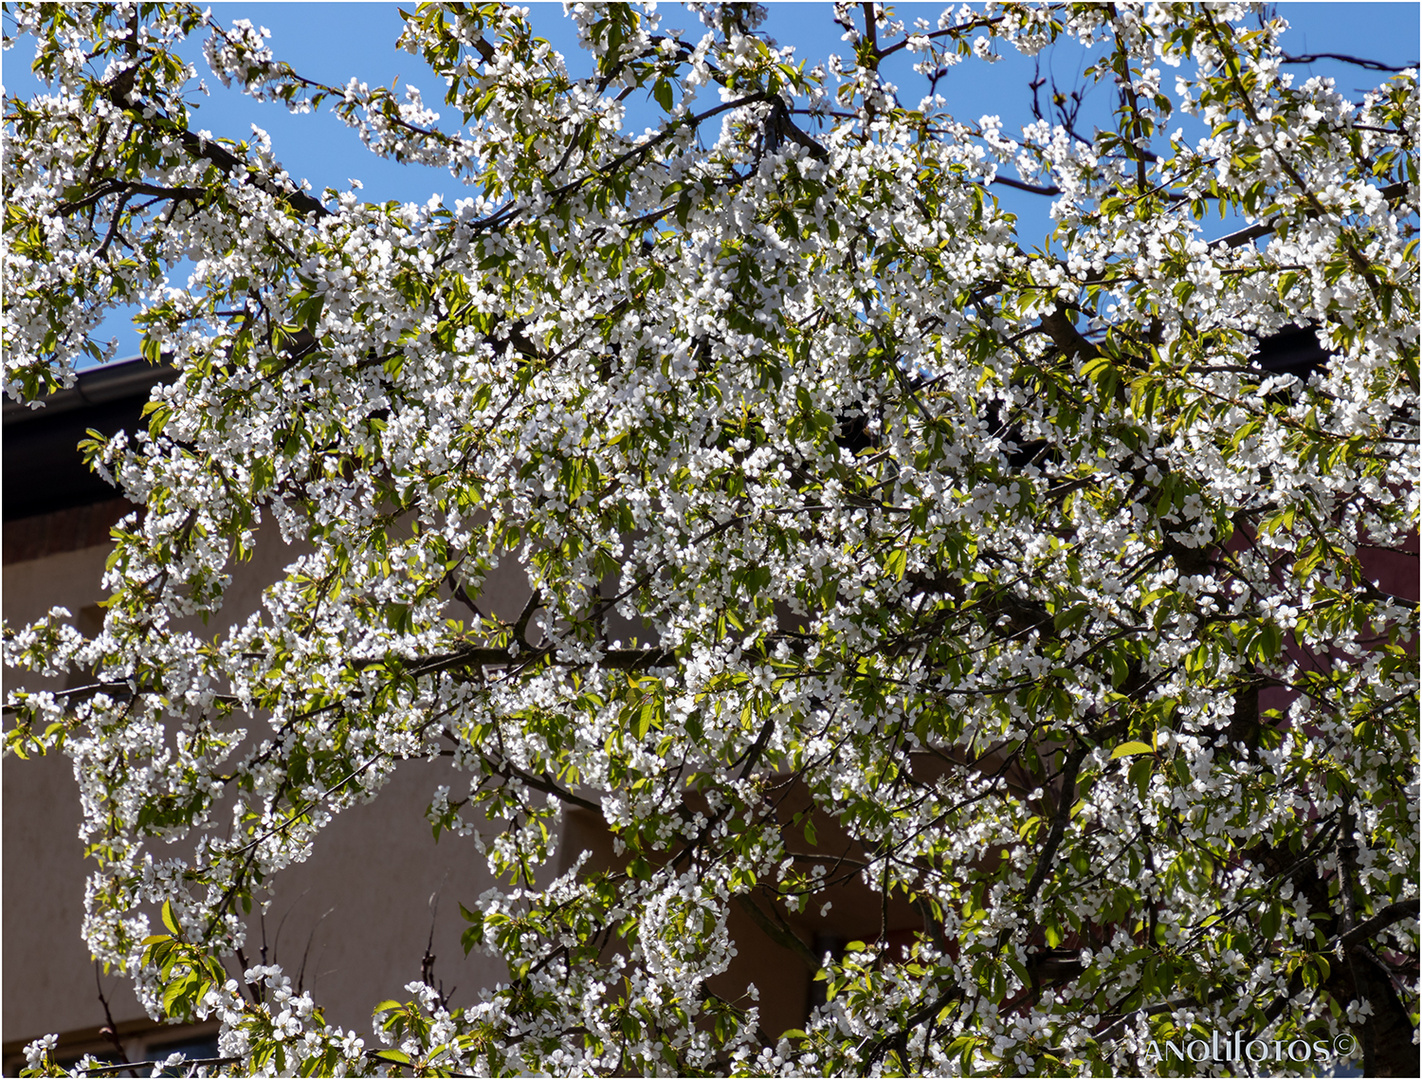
point(359, 911)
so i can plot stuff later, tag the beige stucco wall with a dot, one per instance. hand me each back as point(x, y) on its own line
point(362, 901)
point(48, 978)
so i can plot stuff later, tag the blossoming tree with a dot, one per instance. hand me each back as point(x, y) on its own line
point(1008, 558)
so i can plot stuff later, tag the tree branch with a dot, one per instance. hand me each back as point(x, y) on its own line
point(1370, 65)
point(1059, 823)
point(1393, 913)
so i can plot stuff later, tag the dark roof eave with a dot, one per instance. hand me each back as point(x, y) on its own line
point(96, 386)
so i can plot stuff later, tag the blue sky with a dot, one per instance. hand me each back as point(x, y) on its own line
point(334, 41)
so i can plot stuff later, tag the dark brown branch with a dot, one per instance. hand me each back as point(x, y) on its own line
point(548, 786)
point(928, 1012)
point(120, 690)
point(1370, 65)
point(520, 630)
point(1065, 335)
point(110, 1029)
point(758, 747)
point(104, 1070)
point(103, 250)
point(1264, 228)
point(213, 151)
point(1035, 189)
point(615, 659)
point(1346, 944)
point(1066, 799)
point(780, 123)
point(952, 31)
point(1393, 913)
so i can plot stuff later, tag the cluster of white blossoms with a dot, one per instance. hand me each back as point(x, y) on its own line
point(1001, 560)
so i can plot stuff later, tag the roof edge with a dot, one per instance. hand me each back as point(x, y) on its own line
point(96, 386)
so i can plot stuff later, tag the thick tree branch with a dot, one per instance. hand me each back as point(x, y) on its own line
point(1393, 913)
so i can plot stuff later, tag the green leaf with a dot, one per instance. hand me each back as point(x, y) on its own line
point(1269, 922)
point(1129, 748)
point(1065, 620)
point(896, 563)
point(1271, 640)
point(168, 920)
point(643, 722)
point(1120, 670)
